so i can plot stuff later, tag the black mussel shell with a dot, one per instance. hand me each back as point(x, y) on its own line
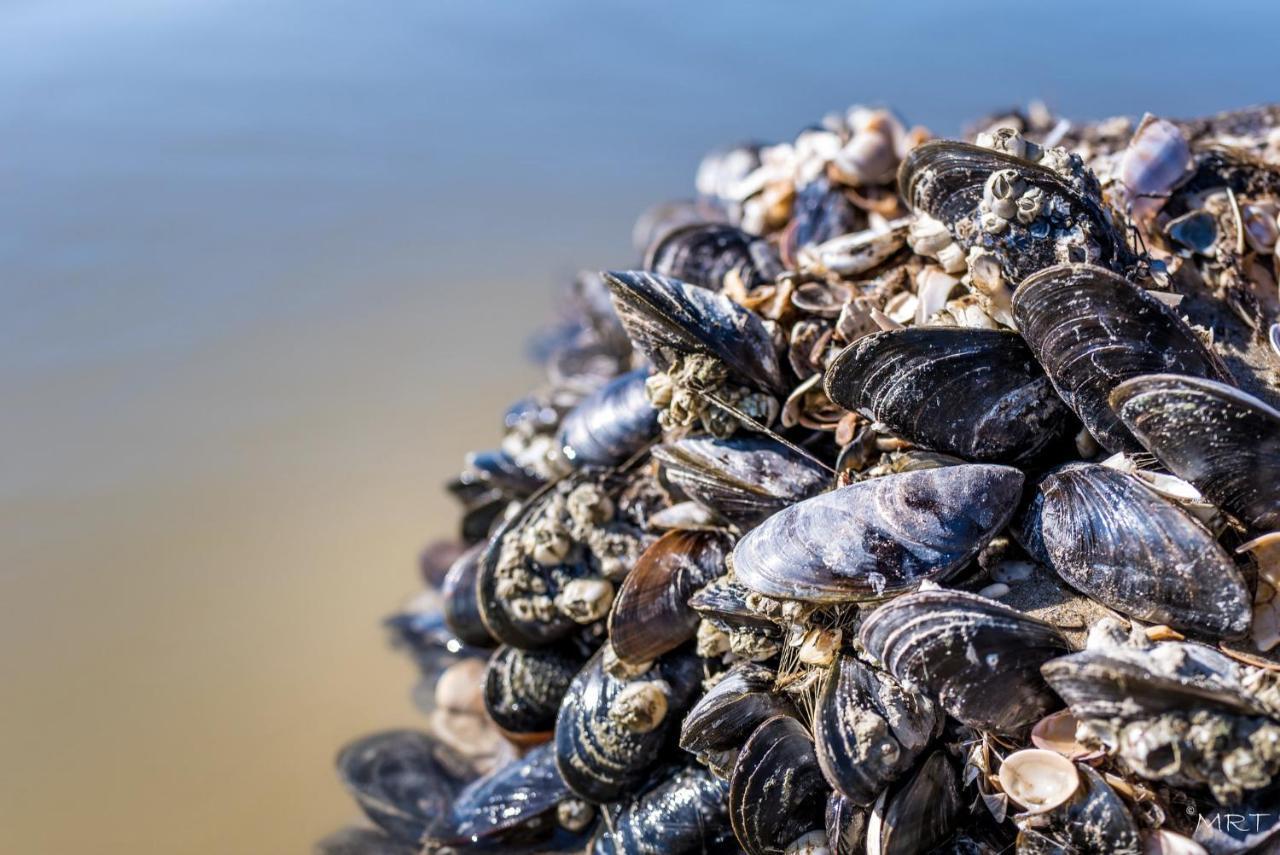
point(611, 424)
point(497, 469)
point(482, 504)
point(946, 179)
point(514, 803)
point(777, 792)
point(363, 841)
point(1112, 538)
point(732, 709)
point(1092, 330)
point(421, 631)
point(1095, 820)
point(974, 393)
point(460, 605)
point(878, 537)
point(667, 317)
point(404, 781)
point(978, 659)
point(724, 602)
point(436, 558)
point(1223, 441)
point(846, 825)
point(744, 479)
point(683, 814)
point(609, 733)
point(651, 613)
point(868, 730)
point(523, 688)
point(703, 254)
point(819, 213)
point(920, 814)
point(1239, 828)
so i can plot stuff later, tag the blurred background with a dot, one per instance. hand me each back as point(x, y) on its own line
point(267, 268)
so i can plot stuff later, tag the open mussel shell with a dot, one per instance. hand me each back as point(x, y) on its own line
point(460, 605)
point(1094, 820)
point(1129, 548)
point(980, 660)
point(868, 730)
point(744, 479)
point(1092, 330)
point(404, 781)
point(523, 688)
point(666, 317)
point(776, 792)
point(1224, 442)
point(610, 731)
point(974, 393)
point(704, 253)
point(918, 815)
point(651, 613)
point(879, 537)
point(683, 813)
point(946, 179)
point(732, 709)
point(609, 425)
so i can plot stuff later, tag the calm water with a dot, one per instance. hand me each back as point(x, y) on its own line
point(266, 267)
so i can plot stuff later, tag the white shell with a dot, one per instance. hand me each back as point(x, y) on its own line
point(1165, 842)
point(1038, 780)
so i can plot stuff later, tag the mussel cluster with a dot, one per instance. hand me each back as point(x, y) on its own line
point(909, 495)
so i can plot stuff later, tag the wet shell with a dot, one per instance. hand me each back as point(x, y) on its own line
point(920, 814)
point(703, 254)
point(665, 317)
point(611, 424)
point(878, 537)
point(1095, 820)
point(1223, 441)
point(599, 752)
point(461, 609)
point(977, 394)
point(519, 798)
point(777, 792)
point(846, 826)
point(1092, 330)
point(523, 688)
point(978, 659)
point(651, 614)
point(946, 179)
point(732, 709)
point(404, 781)
point(685, 813)
point(868, 730)
point(744, 479)
point(1118, 542)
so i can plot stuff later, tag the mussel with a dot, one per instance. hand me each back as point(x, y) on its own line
point(978, 659)
point(1221, 440)
point(1092, 329)
point(879, 537)
point(918, 815)
point(683, 813)
point(460, 606)
point(609, 425)
point(1117, 541)
point(523, 688)
point(777, 792)
point(704, 254)
point(974, 393)
point(722, 719)
point(1095, 820)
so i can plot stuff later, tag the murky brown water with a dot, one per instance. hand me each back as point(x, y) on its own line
point(266, 272)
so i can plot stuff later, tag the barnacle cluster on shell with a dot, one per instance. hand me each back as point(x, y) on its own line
point(907, 496)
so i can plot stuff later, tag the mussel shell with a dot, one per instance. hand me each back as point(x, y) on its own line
point(974, 393)
point(421, 631)
point(744, 479)
point(1223, 441)
point(497, 468)
point(611, 424)
point(732, 709)
point(516, 801)
point(919, 814)
point(651, 613)
point(1118, 542)
point(724, 602)
point(597, 755)
point(777, 792)
point(867, 729)
point(879, 537)
point(846, 825)
point(703, 254)
point(978, 659)
point(1091, 330)
point(404, 781)
point(684, 813)
point(665, 317)
point(819, 213)
point(945, 179)
point(1095, 820)
point(460, 605)
point(523, 688)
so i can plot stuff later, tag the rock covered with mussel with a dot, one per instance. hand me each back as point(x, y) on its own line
point(900, 495)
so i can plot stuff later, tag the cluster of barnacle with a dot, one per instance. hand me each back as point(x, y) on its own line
point(911, 496)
